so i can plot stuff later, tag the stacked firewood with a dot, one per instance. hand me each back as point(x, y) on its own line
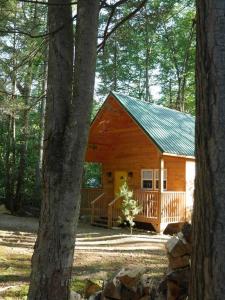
point(175, 285)
point(129, 284)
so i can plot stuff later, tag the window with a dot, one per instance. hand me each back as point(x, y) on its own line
point(147, 179)
point(156, 179)
point(165, 179)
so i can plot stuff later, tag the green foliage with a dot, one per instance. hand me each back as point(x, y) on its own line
point(149, 50)
point(21, 80)
point(129, 207)
point(155, 49)
point(92, 175)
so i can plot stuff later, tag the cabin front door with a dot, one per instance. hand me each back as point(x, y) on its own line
point(119, 178)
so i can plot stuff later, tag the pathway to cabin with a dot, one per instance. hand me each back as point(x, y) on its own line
point(99, 252)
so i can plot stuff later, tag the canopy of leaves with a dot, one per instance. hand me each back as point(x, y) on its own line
point(154, 49)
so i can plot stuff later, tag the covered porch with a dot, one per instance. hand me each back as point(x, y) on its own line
point(158, 208)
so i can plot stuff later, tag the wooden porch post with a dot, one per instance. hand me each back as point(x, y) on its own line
point(161, 171)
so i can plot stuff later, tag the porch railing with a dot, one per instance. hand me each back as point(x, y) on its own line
point(114, 211)
point(98, 209)
point(87, 196)
point(149, 201)
point(173, 207)
point(172, 204)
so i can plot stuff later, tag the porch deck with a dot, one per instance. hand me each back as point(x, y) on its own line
point(159, 209)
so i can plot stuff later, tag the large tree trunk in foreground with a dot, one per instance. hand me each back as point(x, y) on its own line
point(208, 261)
point(66, 129)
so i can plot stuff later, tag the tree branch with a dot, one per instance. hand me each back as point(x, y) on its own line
point(46, 3)
point(121, 22)
point(113, 9)
point(12, 31)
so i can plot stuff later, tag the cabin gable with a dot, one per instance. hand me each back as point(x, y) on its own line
point(125, 137)
point(115, 135)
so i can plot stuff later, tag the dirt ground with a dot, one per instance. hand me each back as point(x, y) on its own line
point(99, 253)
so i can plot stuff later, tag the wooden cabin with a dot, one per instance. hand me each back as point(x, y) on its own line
point(150, 146)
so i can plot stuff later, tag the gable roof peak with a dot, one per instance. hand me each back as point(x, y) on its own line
point(171, 130)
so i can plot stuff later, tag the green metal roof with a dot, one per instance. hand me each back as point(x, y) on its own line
point(172, 131)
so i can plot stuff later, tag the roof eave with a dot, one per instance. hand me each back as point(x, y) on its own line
point(178, 155)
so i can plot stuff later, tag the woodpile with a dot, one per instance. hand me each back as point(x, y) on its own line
point(132, 283)
point(175, 285)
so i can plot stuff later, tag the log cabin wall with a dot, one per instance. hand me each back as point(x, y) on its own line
point(175, 173)
point(116, 141)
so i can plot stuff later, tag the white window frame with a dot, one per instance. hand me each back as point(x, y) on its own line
point(142, 178)
point(165, 179)
point(156, 178)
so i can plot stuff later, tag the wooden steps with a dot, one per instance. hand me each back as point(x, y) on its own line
point(101, 222)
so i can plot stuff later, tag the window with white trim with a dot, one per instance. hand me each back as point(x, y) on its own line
point(165, 179)
point(156, 179)
point(147, 179)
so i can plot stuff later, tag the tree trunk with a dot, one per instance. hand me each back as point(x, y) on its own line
point(147, 58)
point(10, 164)
point(19, 195)
point(115, 64)
point(25, 92)
point(11, 139)
point(38, 174)
point(208, 260)
point(66, 131)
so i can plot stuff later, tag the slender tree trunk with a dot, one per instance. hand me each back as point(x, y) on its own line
point(185, 67)
point(208, 259)
point(25, 92)
point(38, 176)
point(178, 98)
point(115, 64)
point(8, 166)
point(11, 140)
point(19, 195)
point(171, 94)
point(66, 130)
point(147, 58)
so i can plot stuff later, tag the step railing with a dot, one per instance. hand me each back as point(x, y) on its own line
point(173, 207)
point(98, 208)
point(114, 211)
point(87, 196)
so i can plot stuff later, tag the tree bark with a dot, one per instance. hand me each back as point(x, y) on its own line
point(66, 131)
point(10, 159)
point(208, 260)
point(10, 164)
point(38, 174)
point(147, 57)
point(115, 63)
point(25, 92)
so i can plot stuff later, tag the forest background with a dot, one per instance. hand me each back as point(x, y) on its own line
point(151, 57)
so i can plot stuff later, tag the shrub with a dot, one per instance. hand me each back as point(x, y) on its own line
point(130, 207)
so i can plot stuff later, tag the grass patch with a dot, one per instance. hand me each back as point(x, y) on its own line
point(77, 285)
point(16, 293)
point(14, 266)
